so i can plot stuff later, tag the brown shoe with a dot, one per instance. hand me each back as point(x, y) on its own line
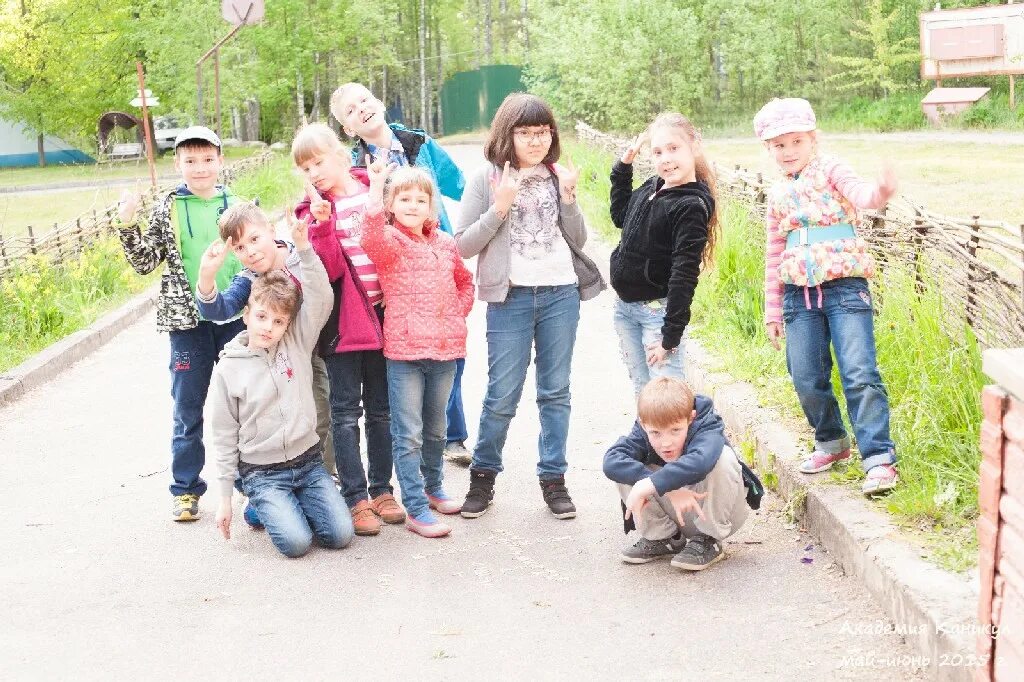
point(363, 519)
point(385, 506)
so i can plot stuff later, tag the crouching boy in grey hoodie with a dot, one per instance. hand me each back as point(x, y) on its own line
point(262, 415)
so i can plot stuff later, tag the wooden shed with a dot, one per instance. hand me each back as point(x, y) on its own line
point(942, 102)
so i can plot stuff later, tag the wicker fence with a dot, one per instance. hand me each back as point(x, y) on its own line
point(66, 241)
point(976, 265)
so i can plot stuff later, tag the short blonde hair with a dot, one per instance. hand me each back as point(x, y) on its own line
point(338, 95)
point(665, 401)
point(278, 291)
point(411, 177)
point(232, 223)
point(316, 139)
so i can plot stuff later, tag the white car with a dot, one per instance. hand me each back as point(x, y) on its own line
point(166, 129)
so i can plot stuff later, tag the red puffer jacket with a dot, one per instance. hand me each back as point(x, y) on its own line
point(427, 290)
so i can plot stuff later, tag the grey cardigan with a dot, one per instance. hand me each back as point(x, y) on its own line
point(480, 231)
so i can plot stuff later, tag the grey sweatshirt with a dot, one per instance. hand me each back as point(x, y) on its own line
point(479, 231)
point(261, 400)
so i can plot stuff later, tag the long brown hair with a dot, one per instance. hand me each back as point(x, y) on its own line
point(519, 110)
point(704, 172)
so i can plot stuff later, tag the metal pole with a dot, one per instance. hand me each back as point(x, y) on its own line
point(145, 124)
point(199, 70)
point(216, 87)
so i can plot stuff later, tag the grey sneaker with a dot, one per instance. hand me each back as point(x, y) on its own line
point(700, 552)
point(644, 550)
point(185, 507)
point(456, 453)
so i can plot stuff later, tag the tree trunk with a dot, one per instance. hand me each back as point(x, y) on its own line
point(439, 84)
point(41, 149)
point(488, 41)
point(300, 98)
point(423, 63)
point(524, 17)
point(316, 86)
point(502, 18)
point(252, 119)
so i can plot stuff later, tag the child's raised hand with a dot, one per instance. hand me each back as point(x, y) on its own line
point(379, 170)
point(128, 204)
point(630, 154)
point(775, 332)
point(504, 189)
point(685, 501)
point(300, 231)
point(224, 513)
point(319, 207)
point(887, 183)
point(568, 176)
point(213, 258)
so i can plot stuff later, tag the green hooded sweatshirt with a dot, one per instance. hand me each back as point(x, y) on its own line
point(196, 221)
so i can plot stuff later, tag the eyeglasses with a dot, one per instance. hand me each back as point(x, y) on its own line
point(528, 136)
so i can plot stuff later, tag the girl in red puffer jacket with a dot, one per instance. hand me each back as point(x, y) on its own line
point(428, 292)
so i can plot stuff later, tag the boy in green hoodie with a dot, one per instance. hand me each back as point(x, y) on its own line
point(181, 227)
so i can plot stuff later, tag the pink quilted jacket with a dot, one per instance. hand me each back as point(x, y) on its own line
point(428, 292)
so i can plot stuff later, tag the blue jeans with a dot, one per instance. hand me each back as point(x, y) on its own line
point(844, 320)
point(360, 376)
point(193, 355)
point(547, 317)
point(456, 415)
point(298, 505)
point(638, 326)
point(419, 391)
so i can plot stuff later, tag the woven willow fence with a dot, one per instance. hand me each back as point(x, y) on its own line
point(976, 266)
point(66, 241)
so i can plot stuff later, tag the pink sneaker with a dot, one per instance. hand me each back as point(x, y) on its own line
point(822, 461)
point(444, 504)
point(427, 526)
point(880, 479)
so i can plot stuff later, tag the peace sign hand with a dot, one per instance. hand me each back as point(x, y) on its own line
point(300, 231)
point(504, 190)
point(319, 207)
point(630, 154)
point(568, 176)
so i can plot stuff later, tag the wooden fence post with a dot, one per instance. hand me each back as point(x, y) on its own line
point(78, 232)
point(761, 197)
point(56, 236)
point(920, 230)
point(31, 241)
point(7, 263)
point(877, 227)
point(972, 248)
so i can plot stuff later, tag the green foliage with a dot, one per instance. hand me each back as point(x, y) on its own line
point(41, 303)
point(882, 57)
point(276, 185)
point(900, 111)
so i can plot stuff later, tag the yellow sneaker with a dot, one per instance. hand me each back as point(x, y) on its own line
point(186, 507)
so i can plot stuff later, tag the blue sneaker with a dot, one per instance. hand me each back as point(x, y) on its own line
point(252, 517)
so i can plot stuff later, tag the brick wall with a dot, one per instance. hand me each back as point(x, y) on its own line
point(1001, 537)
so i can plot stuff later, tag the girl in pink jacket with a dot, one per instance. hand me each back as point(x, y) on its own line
point(816, 272)
point(428, 292)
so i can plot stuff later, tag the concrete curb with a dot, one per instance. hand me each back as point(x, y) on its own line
point(61, 355)
point(933, 608)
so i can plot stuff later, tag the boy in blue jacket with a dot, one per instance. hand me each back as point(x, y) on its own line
point(681, 484)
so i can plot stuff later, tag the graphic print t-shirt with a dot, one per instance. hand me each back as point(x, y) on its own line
point(540, 256)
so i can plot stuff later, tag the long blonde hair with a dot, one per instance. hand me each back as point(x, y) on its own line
point(704, 172)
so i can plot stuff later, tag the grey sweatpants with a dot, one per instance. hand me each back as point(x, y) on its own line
point(725, 507)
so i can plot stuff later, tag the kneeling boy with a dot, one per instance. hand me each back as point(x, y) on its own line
point(681, 484)
point(262, 414)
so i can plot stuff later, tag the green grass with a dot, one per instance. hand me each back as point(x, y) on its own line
point(934, 380)
point(58, 173)
point(41, 303)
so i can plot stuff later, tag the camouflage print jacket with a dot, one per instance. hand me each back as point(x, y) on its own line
point(176, 308)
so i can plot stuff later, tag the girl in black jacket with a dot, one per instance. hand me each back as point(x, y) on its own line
point(668, 231)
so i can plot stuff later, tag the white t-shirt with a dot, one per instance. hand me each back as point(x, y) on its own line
point(540, 255)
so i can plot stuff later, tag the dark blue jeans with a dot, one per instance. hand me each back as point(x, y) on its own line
point(360, 377)
point(456, 414)
point(193, 355)
point(845, 321)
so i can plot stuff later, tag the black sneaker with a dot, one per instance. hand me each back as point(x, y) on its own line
point(700, 552)
point(557, 497)
point(644, 550)
point(480, 495)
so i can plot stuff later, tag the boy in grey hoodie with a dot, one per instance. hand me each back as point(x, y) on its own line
point(262, 415)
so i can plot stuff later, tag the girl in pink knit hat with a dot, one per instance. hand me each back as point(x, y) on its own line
point(816, 272)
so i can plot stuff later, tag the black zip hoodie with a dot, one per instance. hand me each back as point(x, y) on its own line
point(664, 232)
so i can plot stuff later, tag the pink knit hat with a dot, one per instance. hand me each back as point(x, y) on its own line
point(781, 116)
